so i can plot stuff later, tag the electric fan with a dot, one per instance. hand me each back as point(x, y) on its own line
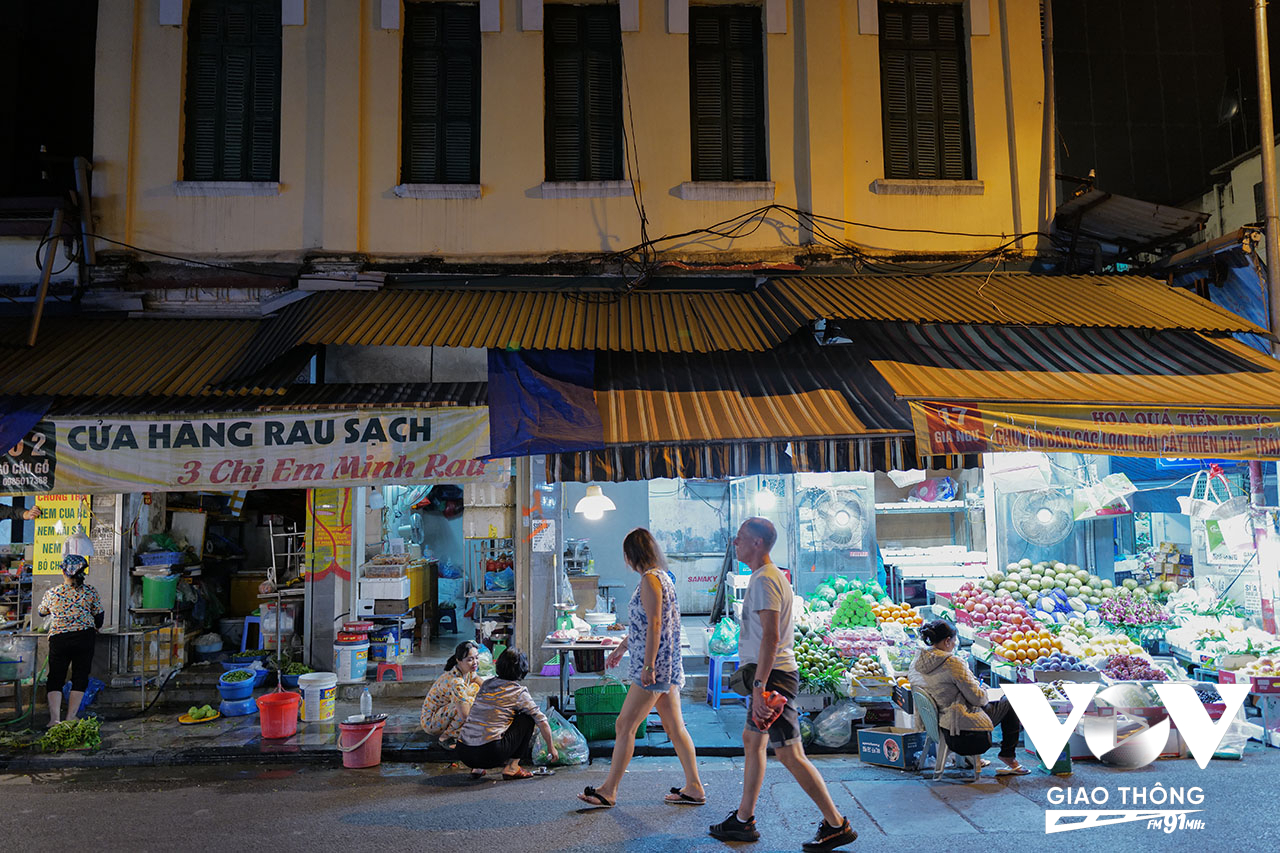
point(1043, 516)
point(838, 521)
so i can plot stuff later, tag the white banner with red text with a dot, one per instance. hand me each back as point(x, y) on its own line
point(242, 452)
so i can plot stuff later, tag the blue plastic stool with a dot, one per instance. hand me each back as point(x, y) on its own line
point(244, 634)
point(716, 691)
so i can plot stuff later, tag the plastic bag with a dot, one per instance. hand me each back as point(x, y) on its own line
point(834, 726)
point(1234, 741)
point(449, 592)
point(571, 746)
point(450, 571)
point(484, 667)
point(724, 639)
point(90, 693)
point(504, 580)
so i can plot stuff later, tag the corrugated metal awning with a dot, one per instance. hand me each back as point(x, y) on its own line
point(1064, 365)
point(1113, 301)
point(123, 357)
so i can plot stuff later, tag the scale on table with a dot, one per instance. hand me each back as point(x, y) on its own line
point(564, 616)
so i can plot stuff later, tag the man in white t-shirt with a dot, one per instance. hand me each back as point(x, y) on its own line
point(766, 641)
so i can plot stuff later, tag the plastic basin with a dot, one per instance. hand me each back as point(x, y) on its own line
point(289, 680)
point(236, 690)
point(278, 714)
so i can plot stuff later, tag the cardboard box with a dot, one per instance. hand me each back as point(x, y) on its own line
point(878, 712)
point(812, 701)
point(904, 699)
point(904, 720)
point(889, 746)
point(1257, 683)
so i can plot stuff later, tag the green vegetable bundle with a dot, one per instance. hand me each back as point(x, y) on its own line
point(853, 611)
point(72, 734)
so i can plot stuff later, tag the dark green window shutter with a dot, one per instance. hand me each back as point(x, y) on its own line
point(924, 92)
point(726, 93)
point(233, 91)
point(440, 121)
point(582, 49)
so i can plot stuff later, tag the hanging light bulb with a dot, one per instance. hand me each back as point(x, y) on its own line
point(594, 504)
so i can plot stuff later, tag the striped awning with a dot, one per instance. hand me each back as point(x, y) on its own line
point(717, 461)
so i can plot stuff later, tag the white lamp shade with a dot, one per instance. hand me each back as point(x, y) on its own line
point(78, 543)
point(594, 504)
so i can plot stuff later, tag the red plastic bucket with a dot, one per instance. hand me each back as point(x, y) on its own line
point(361, 743)
point(279, 714)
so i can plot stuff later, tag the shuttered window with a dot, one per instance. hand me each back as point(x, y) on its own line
point(582, 49)
point(924, 92)
point(233, 91)
point(440, 124)
point(726, 93)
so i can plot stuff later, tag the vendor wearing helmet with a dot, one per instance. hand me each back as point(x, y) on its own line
point(76, 614)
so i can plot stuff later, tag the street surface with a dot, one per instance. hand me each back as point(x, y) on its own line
point(434, 807)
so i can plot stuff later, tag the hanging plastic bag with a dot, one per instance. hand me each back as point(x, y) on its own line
point(1208, 489)
point(834, 726)
point(449, 591)
point(503, 581)
point(484, 667)
point(724, 639)
point(571, 746)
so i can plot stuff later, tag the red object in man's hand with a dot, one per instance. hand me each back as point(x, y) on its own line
point(764, 712)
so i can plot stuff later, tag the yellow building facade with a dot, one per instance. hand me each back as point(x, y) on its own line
point(339, 188)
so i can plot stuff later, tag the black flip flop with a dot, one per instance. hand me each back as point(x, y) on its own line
point(683, 799)
point(594, 799)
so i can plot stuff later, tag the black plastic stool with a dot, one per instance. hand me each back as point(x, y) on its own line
point(449, 615)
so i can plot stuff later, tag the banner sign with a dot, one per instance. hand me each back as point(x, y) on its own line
point(1108, 430)
point(276, 450)
point(59, 514)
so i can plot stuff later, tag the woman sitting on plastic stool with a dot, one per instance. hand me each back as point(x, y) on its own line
point(965, 717)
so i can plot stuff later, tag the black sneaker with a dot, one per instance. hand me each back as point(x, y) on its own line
point(830, 837)
point(732, 829)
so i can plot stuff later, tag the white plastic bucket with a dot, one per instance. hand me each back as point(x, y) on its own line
point(351, 660)
point(319, 692)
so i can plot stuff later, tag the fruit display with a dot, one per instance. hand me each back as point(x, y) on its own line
point(853, 611)
point(201, 712)
point(1059, 662)
point(855, 642)
point(1261, 666)
point(866, 666)
point(1029, 581)
point(1023, 647)
point(1132, 668)
point(979, 608)
point(1206, 692)
point(1110, 644)
point(903, 614)
point(820, 665)
point(1132, 613)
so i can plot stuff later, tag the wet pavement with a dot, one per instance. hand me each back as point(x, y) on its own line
point(431, 806)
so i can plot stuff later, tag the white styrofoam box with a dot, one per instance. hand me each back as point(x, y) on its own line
point(384, 587)
point(477, 520)
point(364, 607)
point(488, 494)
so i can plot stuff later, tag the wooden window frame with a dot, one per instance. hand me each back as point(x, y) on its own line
point(206, 115)
point(446, 52)
point(920, 57)
point(729, 170)
point(586, 50)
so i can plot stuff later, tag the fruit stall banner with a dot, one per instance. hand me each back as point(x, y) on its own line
point(276, 450)
point(1110, 430)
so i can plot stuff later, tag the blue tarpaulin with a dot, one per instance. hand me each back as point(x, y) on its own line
point(542, 401)
point(1240, 290)
point(17, 418)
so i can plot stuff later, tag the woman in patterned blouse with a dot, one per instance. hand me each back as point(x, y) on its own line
point(449, 700)
point(75, 612)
